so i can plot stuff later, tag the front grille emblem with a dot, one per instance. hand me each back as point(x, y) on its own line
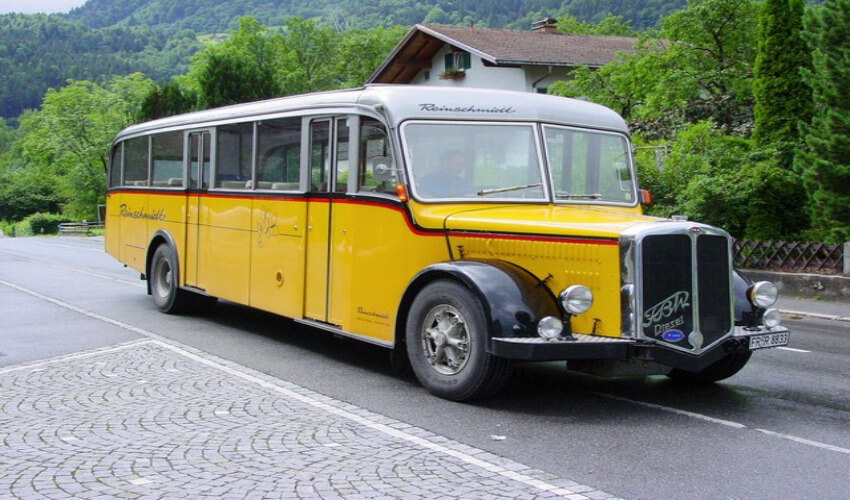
point(695, 230)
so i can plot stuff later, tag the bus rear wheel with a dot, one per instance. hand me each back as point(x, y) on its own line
point(167, 295)
point(447, 344)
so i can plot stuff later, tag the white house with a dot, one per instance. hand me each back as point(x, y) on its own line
point(495, 58)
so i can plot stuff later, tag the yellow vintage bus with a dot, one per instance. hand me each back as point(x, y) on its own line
point(464, 229)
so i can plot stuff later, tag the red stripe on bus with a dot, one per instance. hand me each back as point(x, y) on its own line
point(391, 206)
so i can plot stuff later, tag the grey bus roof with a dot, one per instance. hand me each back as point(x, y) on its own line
point(404, 102)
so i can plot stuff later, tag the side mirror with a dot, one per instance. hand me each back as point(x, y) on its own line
point(645, 197)
point(382, 168)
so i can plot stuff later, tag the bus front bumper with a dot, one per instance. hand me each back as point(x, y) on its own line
point(597, 347)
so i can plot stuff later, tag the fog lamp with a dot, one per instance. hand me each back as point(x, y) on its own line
point(550, 328)
point(771, 318)
point(576, 299)
point(763, 294)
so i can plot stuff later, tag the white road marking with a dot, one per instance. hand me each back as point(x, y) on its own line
point(699, 416)
point(38, 365)
point(728, 423)
point(793, 349)
point(101, 250)
point(805, 441)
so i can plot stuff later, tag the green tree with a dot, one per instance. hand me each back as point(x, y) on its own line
point(697, 66)
point(7, 136)
point(72, 133)
point(782, 98)
point(28, 191)
point(240, 69)
point(824, 159)
point(712, 60)
point(166, 100)
point(611, 25)
point(360, 52)
point(720, 179)
point(306, 58)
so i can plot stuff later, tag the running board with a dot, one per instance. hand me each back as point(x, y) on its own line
point(339, 331)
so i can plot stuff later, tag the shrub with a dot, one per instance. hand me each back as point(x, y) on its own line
point(45, 223)
point(7, 228)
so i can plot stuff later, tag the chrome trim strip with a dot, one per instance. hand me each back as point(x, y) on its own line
point(339, 331)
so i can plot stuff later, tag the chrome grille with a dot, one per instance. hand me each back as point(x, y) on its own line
point(680, 274)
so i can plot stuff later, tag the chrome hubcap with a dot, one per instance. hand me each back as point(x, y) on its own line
point(163, 279)
point(445, 339)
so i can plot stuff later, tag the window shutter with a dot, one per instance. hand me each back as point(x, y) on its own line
point(450, 60)
point(467, 63)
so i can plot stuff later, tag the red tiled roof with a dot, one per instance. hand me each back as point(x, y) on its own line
point(499, 47)
point(530, 47)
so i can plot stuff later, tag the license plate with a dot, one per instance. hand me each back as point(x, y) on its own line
point(768, 340)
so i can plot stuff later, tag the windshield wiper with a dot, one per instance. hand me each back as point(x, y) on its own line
point(484, 192)
point(561, 195)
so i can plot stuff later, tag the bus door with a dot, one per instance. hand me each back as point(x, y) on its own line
point(328, 160)
point(198, 164)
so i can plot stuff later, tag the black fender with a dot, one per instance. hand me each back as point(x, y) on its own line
point(514, 300)
point(746, 314)
point(159, 237)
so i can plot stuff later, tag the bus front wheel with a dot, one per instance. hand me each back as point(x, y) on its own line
point(167, 295)
point(447, 344)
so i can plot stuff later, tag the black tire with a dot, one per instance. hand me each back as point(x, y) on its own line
point(399, 362)
point(167, 295)
point(721, 369)
point(447, 344)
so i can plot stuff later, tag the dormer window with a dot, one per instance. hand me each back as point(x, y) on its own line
point(458, 60)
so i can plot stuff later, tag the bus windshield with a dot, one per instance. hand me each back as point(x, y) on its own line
point(589, 165)
point(497, 161)
point(474, 161)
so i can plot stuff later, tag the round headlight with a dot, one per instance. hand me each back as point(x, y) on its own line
point(763, 294)
point(577, 299)
point(771, 318)
point(550, 328)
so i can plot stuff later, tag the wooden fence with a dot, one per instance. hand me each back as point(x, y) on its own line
point(792, 257)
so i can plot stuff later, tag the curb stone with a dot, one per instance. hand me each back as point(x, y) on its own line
point(831, 317)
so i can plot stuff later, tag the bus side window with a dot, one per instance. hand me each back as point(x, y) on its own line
point(279, 154)
point(136, 161)
point(115, 165)
point(167, 160)
point(320, 155)
point(234, 156)
point(374, 143)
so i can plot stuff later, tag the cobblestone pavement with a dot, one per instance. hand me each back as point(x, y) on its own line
point(153, 419)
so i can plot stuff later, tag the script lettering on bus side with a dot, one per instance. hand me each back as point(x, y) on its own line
point(381, 319)
point(465, 109)
point(129, 213)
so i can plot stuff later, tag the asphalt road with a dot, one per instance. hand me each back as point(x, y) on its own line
point(778, 429)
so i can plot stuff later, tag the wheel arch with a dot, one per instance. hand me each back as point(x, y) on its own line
point(158, 238)
point(513, 298)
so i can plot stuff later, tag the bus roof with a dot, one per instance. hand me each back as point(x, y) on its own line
point(398, 103)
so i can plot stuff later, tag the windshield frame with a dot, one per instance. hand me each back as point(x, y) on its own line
point(536, 139)
point(586, 201)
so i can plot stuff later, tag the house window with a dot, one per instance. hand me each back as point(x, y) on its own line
point(458, 60)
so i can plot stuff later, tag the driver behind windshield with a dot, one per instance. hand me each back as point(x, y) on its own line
point(448, 179)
